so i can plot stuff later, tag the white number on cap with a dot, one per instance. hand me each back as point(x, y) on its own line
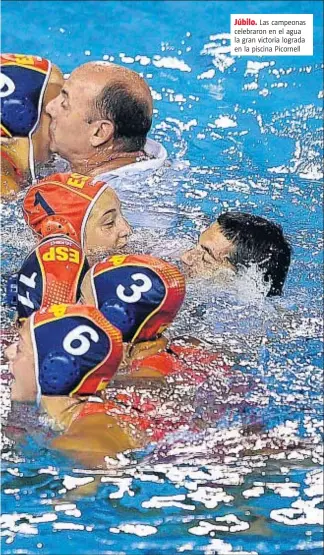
point(84, 343)
point(137, 289)
point(29, 282)
point(7, 86)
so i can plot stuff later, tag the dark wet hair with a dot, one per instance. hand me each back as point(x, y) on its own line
point(258, 241)
point(130, 115)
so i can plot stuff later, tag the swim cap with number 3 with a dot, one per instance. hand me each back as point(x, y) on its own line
point(139, 294)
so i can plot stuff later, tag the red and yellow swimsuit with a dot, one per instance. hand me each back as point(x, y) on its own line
point(147, 411)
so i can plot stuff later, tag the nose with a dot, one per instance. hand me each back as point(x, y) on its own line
point(50, 107)
point(125, 229)
point(188, 257)
point(11, 351)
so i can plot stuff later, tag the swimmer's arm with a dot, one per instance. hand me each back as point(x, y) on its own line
point(9, 184)
point(94, 437)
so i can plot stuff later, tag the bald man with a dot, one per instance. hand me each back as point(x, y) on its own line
point(100, 122)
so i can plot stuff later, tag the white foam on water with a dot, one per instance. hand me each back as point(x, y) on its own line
point(64, 507)
point(253, 68)
point(141, 530)
point(68, 526)
point(170, 62)
point(209, 74)
point(250, 86)
point(228, 523)
point(71, 482)
point(126, 59)
point(123, 485)
point(143, 60)
point(303, 513)
point(221, 60)
point(284, 489)
point(256, 491)
point(224, 122)
point(210, 497)
point(157, 502)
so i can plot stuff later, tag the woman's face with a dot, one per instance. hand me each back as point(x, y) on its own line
point(20, 356)
point(106, 228)
point(41, 138)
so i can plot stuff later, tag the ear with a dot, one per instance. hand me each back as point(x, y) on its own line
point(102, 132)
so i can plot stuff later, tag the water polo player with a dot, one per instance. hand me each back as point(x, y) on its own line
point(60, 359)
point(75, 205)
point(51, 274)
point(28, 83)
point(141, 295)
point(65, 350)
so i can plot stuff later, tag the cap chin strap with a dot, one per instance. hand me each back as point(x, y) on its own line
point(31, 159)
point(36, 367)
point(40, 105)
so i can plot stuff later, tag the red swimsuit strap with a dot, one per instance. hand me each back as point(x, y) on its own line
point(6, 156)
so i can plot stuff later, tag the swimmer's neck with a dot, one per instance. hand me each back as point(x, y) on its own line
point(63, 410)
point(146, 349)
point(102, 161)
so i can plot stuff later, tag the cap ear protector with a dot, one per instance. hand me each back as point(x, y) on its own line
point(51, 273)
point(139, 294)
point(76, 350)
point(54, 225)
point(23, 84)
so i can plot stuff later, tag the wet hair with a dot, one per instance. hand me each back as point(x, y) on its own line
point(130, 115)
point(257, 241)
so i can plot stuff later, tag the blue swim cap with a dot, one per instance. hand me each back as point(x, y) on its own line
point(76, 351)
point(139, 294)
point(23, 83)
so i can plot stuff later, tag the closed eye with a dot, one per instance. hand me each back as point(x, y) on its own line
point(65, 97)
point(207, 255)
point(109, 224)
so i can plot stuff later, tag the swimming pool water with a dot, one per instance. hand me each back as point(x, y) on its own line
point(246, 134)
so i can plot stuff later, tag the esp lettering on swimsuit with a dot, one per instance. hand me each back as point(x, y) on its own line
point(62, 254)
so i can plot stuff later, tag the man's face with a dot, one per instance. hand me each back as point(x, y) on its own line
point(106, 228)
point(70, 130)
point(209, 255)
point(21, 364)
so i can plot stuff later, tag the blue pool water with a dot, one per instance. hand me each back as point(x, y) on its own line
point(246, 134)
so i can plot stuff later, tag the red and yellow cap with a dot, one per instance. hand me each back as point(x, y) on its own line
point(62, 203)
point(52, 273)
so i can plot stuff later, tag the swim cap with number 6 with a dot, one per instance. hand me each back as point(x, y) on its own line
point(76, 351)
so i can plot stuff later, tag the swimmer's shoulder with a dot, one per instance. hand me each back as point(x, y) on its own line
point(94, 437)
point(14, 163)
